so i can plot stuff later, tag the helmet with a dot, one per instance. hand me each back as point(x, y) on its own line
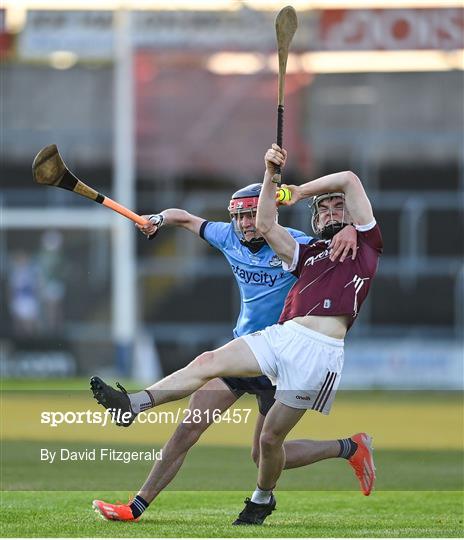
point(246, 200)
point(329, 231)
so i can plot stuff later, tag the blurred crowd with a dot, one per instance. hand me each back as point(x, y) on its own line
point(36, 287)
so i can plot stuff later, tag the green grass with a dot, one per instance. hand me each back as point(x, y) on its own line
point(369, 396)
point(419, 494)
point(221, 468)
point(209, 514)
point(75, 383)
point(418, 438)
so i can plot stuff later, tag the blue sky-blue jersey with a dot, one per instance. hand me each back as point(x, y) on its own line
point(262, 282)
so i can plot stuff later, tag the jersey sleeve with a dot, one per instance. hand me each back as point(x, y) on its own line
point(296, 251)
point(302, 255)
point(298, 259)
point(215, 233)
point(301, 240)
point(371, 234)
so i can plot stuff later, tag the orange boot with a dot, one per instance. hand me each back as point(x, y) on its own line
point(115, 512)
point(362, 462)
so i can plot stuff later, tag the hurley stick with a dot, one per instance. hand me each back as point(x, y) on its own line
point(286, 24)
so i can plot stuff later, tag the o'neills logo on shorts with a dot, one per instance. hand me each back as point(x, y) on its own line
point(306, 398)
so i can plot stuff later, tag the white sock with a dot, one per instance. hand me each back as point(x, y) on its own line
point(261, 496)
point(141, 401)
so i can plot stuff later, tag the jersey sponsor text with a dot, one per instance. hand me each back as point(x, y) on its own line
point(261, 277)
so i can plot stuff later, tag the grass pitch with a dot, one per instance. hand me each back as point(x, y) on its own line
point(418, 439)
point(223, 468)
point(209, 514)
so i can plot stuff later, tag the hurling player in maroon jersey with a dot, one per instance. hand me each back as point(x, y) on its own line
point(302, 354)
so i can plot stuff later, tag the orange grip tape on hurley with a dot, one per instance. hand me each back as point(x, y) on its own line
point(120, 209)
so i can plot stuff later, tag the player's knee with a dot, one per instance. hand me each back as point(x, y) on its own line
point(204, 359)
point(269, 441)
point(205, 364)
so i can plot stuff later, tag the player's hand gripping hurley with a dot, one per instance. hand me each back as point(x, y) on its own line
point(286, 24)
point(49, 168)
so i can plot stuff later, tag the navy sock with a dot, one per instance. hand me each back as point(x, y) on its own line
point(138, 506)
point(347, 448)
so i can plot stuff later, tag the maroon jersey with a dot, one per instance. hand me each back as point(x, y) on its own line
point(332, 288)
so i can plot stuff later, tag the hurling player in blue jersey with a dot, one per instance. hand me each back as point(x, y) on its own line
point(263, 288)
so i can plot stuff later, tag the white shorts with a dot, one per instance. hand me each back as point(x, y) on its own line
point(304, 365)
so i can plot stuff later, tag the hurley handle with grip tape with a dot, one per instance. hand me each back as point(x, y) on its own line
point(277, 177)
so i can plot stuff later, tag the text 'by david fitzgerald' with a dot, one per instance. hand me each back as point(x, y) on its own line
point(99, 454)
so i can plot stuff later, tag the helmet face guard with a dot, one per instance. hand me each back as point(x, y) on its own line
point(330, 230)
point(243, 201)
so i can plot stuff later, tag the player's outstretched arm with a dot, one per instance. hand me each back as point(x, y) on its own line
point(281, 242)
point(174, 217)
point(356, 200)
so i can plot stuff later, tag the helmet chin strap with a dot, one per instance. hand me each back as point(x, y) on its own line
point(254, 245)
point(329, 231)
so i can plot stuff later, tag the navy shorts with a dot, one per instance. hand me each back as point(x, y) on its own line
point(261, 387)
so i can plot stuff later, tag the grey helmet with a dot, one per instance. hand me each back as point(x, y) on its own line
point(329, 231)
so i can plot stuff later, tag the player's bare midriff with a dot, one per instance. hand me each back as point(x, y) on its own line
point(335, 326)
